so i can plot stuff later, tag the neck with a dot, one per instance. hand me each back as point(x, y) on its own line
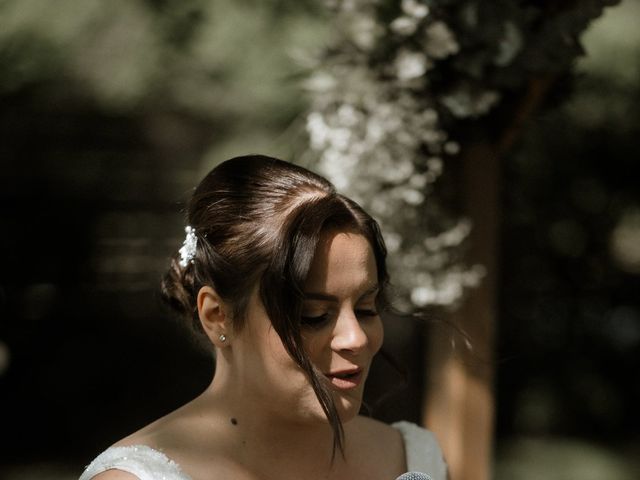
point(264, 439)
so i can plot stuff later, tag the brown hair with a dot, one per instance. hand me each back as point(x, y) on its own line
point(258, 221)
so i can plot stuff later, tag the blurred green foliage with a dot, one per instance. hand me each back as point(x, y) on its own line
point(223, 61)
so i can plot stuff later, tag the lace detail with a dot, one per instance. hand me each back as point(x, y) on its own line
point(140, 460)
point(422, 452)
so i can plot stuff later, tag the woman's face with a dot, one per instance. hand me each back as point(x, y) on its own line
point(341, 332)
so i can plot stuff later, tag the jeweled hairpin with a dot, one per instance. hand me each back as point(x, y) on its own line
point(188, 249)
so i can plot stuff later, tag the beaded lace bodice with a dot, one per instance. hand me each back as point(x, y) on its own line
point(422, 451)
point(144, 462)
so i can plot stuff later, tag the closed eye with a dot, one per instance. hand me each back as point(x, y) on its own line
point(366, 313)
point(314, 322)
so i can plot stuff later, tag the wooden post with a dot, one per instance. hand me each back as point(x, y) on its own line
point(459, 405)
point(459, 401)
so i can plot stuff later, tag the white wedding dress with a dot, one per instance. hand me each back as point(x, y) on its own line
point(422, 451)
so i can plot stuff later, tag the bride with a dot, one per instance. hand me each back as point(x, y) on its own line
point(286, 278)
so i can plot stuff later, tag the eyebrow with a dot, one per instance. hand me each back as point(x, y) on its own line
point(332, 298)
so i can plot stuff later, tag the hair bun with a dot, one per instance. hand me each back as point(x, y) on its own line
point(177, 289)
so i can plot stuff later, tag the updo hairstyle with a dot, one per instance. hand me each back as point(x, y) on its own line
point(258, 221)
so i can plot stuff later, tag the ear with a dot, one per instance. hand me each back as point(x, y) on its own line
point(212, 314)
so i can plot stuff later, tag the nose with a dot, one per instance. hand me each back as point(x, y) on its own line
point(348, 334)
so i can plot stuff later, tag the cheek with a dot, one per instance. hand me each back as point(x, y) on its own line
point(277, 356)
point(267, 358)
point(317, 345)
point(375, 332)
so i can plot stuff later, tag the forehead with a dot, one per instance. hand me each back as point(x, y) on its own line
point(343, 261)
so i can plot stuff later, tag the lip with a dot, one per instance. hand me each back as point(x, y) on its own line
point(346, 379)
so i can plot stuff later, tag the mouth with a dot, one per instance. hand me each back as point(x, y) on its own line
point(347, 379)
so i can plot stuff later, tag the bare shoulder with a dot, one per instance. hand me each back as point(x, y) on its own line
point(159, 433)
point(188, 438)
point(114, 474)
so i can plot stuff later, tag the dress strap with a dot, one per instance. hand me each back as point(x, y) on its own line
point(422, 450)
point(142, 461)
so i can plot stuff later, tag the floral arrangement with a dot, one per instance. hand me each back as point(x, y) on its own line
point(391, 96)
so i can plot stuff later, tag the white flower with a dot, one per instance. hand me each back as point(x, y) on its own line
point(465, 103)
point(400, 171)
point(392, 241)
point(320, 82)
point(440, 42)
point(404, 25)
point(418, 180)
point(451, 148)
point(429, 116)
point(445, 289)
point(449, 290)
point(449, 238)
point(423, 296)
point(374, 130)
point(430, 136)
point(410, 65)
point(318, 130)
point(412, 197)
point(434, 164)
point(347, 115)
point(415, 9)
point(509, 46)
point(364, 31)
point(624, 242)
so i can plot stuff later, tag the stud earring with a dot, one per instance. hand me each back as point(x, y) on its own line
point(222, 337)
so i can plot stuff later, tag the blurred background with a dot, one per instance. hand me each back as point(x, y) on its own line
point(110, 112)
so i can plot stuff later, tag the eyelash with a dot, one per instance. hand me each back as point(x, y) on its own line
point(321, 320)
point(315, 322)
